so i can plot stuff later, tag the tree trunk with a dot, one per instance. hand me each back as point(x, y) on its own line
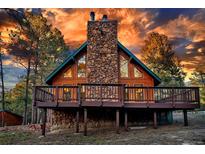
point(2, 88)
point(34, 109)
point(26, 92)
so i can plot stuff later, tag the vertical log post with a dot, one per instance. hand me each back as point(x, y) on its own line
point(155, 120)
point(44, 122)
point(117, 121)
point(126, 121)
point(57, 96)
point(85, 122)
point(77, 121)
point(185, 118)
point(122, 94)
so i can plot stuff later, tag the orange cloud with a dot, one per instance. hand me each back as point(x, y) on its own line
point(133, 23)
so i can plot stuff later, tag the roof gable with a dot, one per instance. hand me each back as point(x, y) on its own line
point(157, 80)
point(84, 45)
point(66, 61)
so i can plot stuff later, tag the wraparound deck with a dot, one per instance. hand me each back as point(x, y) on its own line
point(116, 96)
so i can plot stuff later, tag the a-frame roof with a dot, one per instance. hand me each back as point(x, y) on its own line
point(71, 57)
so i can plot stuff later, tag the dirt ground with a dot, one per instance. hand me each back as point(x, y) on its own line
point(170, 134)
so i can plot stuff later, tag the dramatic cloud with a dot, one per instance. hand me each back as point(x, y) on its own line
point(188, 35)
point(184, 27)
point(133, 23)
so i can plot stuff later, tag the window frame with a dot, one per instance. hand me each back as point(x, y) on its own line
point(70, 67)
point(139, 71)
point(85, 66)
point(128, 73)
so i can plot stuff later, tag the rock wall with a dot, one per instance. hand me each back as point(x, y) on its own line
point(102, 55)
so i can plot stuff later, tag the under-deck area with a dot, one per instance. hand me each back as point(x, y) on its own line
point(118, 97)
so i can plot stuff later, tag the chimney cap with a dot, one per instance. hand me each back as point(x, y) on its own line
point(104, 18)
point(92, 16)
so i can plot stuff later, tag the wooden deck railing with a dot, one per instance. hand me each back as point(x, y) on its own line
point(162, 94)
point(56, 93)
point(116, 93)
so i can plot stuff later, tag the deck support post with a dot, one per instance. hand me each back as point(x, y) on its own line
point(155, 120)
point(85, 122)
point(77, 121)
point(117, 121)
point(44, 122)
point(185, 118)
point(126, 121)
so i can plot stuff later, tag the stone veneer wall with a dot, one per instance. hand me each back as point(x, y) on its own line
point(102, 54)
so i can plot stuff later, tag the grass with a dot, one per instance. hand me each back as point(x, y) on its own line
point(170, 134)
point(8, 137)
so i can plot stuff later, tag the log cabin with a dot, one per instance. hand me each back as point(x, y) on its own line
point(104, 81)
point(8, 118)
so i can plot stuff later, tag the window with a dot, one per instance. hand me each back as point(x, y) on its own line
point(123, 67)
point(68, 73)
point(81, 67)
point(137, 73)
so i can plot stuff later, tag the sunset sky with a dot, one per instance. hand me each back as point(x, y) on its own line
point(184, 27)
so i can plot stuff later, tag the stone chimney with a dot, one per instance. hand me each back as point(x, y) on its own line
point(92, 16)
point(102, 55)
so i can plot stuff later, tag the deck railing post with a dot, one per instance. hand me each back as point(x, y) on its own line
point(147, 95)
point(122, 94)
point(57, 95)
point(198, 96)
point(172, 96)
point(79, 94)
point(101, 94)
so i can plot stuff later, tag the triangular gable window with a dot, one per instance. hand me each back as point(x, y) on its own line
point(137, 73)
point(68, 73)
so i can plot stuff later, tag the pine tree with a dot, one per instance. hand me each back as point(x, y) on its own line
point(159, 55)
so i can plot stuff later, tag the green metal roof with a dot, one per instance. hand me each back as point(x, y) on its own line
point(48, 80)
